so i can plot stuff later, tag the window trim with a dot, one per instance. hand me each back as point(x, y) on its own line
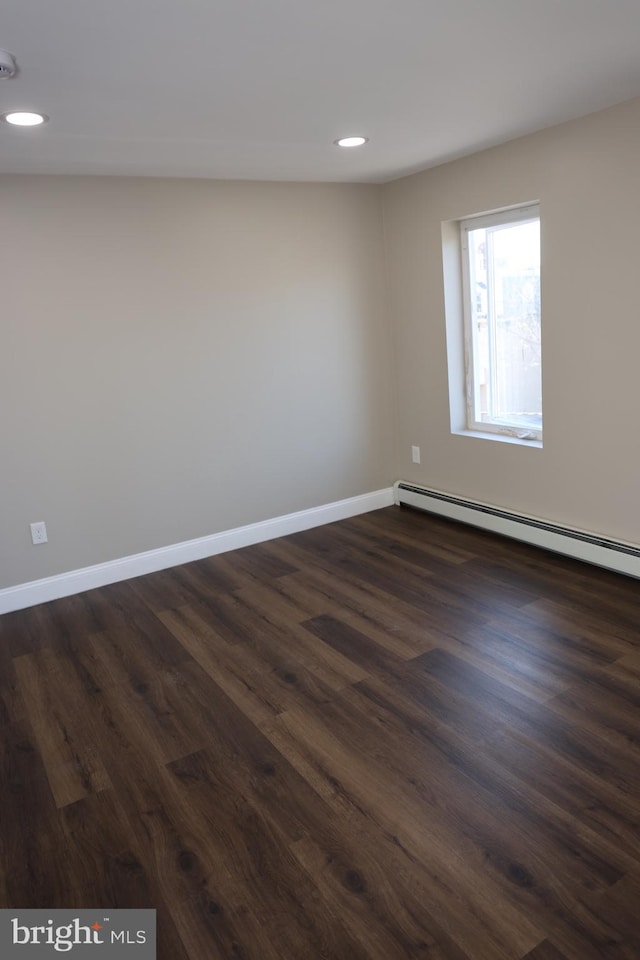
point(523, 213)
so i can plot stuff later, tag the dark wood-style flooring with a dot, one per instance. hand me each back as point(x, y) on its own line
point(391, 737)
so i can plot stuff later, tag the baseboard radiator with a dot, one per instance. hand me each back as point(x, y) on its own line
point(591, 548)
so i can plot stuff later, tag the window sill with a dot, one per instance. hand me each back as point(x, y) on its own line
point(500, 437)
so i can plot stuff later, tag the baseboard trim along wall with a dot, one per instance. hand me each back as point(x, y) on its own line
point(87, 578)
point(616, 555)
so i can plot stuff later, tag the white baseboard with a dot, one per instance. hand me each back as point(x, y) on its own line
point(617, 555)
point(76, 581)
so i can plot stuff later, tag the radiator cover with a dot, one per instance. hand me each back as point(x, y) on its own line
point(603, 552)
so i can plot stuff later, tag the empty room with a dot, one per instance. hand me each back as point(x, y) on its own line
point(320, 473)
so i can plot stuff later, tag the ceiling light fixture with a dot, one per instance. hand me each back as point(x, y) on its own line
point(351, 141)
point(24, 119)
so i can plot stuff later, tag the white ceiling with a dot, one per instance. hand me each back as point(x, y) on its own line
point(259, 89)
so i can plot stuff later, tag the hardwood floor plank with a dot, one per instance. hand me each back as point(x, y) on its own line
point(363, 606)
point(391, 632)
point(617, 907)
point(284, 602)
point(94, 611)
point(262, 685)
point(367, 587)
point(73, 763)
point(146, 699)
point(504, 762)
point(183, 854)
point(298, 597)
point(259, 564)
point(419, 589)
point(581, 652)
point(597, 629)
point(493, 650)
point(545, 951)
point(488, 805)
point(280, 646)
point(101, 854)
point(383, 917)
point(358, 646)
point(563, 779)
point(26, 631)
point(413, 559)
point(262, 878)
point(603, 759)
point(12, 708)
point(563, 581)
point(32, 869)
point(293, 645)
point(229, 669)
point(388, 816)
point(409, 533)
point(608, 705)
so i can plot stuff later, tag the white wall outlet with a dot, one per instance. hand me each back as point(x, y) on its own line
point(415, 454)
point(39, 532)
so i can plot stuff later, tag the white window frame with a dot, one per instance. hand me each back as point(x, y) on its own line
point(512, 216)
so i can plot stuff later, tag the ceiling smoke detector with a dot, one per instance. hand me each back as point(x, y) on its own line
point(7, 65)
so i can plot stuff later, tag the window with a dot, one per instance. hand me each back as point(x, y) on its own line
point(501, 302)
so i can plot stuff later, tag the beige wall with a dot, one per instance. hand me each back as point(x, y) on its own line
point(183, 357)
point(586, 175)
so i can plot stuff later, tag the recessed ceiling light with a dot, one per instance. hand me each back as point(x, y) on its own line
point(24, 119)
point(351, 141)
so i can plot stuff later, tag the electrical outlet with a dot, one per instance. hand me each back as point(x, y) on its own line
point(415, 454)
point(39, 532)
